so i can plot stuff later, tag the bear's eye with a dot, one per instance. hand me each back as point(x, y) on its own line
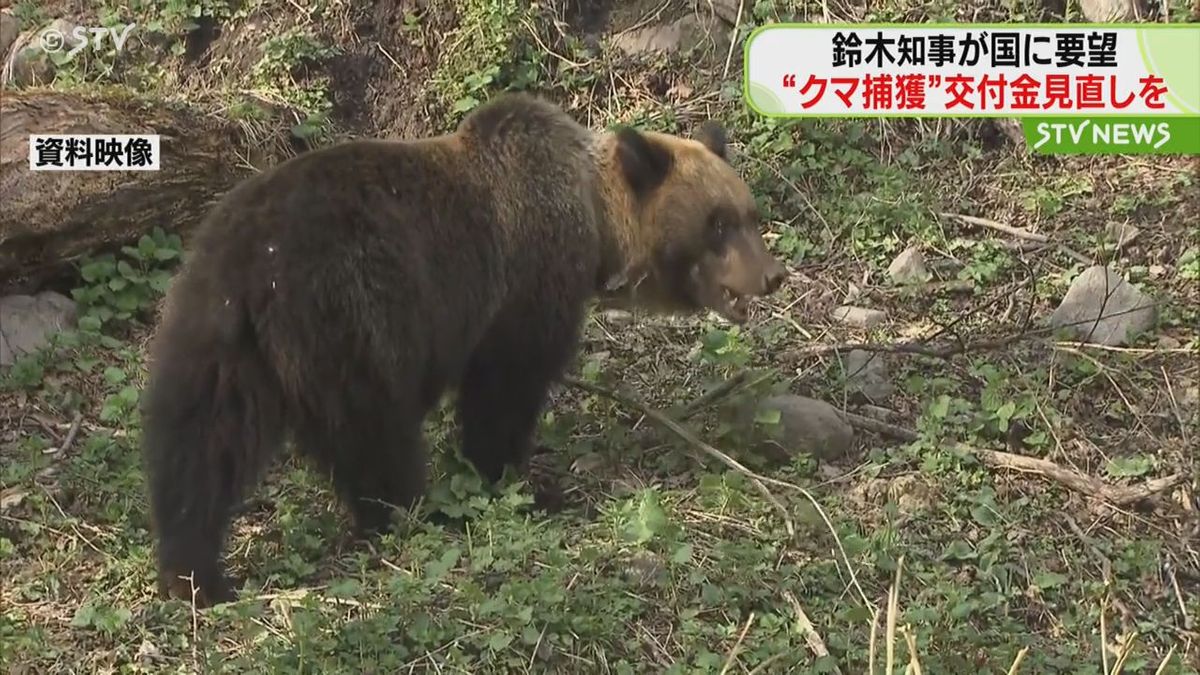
point(718, 227)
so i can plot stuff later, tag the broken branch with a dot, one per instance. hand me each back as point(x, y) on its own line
point(1088, 485)
point(999, 227)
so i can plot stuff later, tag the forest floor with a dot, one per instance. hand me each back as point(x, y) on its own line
point(658, 558)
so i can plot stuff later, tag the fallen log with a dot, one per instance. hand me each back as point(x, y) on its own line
point(49, 219)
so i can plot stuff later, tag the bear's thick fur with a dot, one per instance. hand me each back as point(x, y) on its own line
point(337, 296)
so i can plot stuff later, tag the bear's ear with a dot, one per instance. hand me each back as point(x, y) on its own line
point(644, 163)
point(712, 135)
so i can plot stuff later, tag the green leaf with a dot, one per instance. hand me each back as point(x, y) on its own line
point(90, 323)
point(344, 588)
point(1125, 467)
point(436, 569)
point(84, 616)
point(96, 270)
point(940, 407)
point(114, 375)
point(768, 416)
point(127, 270)
point(983, 515)
point(1047, 580)
point(1004, 413)
point(682, 555)
point(959, 550)
point(648, 520)
point(465, 104)
point(146, 247)
point(499, 641)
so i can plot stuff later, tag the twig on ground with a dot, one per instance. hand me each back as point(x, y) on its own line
point(691, 438)
point(760, 482)
point(1012, 670)
point(71, 434)
point(872, 645)
point(914, 663)
point(923, 348)
point(762, 667)
point(1105, 568)
point(893, 610)
point(1116, 495)
point(815, 643)
point(1162, 667)
point(733, 38)
point(999, 227)
point(1187, 619)
point(927, 288)
point(713, 395)
point(737, 645)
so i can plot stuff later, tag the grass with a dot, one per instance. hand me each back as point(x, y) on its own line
point(655, 558)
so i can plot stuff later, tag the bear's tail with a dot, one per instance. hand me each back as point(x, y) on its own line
point(212, 419)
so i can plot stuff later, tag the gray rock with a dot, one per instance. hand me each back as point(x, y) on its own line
point(867, 374)
point(679, 35)
point(1102, 308)
point(811, 426)
point(909, 267)
point(1121, 234)
point(617, 317)
point(10, 28)
point(645, 570)
point(1106, 11)
point(29, 63)
point(910, 493)
point(727, 10)
point(27, 322)
point(860, 317)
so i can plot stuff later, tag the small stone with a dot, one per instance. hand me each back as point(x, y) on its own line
point(877, 412)
point(1111, 11)
point(909, 267)
point(29, 63)
point(867, 374)
point(589, 463)
point(810, 426)
point(11, 497)
point(1121, 234)
point(1156, 271)
point(1168, 342)
point(10, 28)
point(681, 35)
point(617, 317)
point(27, 322)
point(911, 494)
point(860, 317)
point(727, 10)
point(645, 570)
point(1102, 308)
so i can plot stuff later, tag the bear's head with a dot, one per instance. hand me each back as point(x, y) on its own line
point(690, 230)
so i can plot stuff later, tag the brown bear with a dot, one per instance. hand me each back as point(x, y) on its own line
point(334, 298)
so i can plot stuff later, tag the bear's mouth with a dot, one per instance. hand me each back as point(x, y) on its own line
point(734, 307)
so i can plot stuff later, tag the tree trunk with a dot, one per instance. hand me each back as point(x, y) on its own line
point(48, 219)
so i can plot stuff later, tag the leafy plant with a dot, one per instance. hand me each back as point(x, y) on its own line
point(122, 287)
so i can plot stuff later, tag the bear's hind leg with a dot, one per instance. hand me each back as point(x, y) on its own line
point(210, 428)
